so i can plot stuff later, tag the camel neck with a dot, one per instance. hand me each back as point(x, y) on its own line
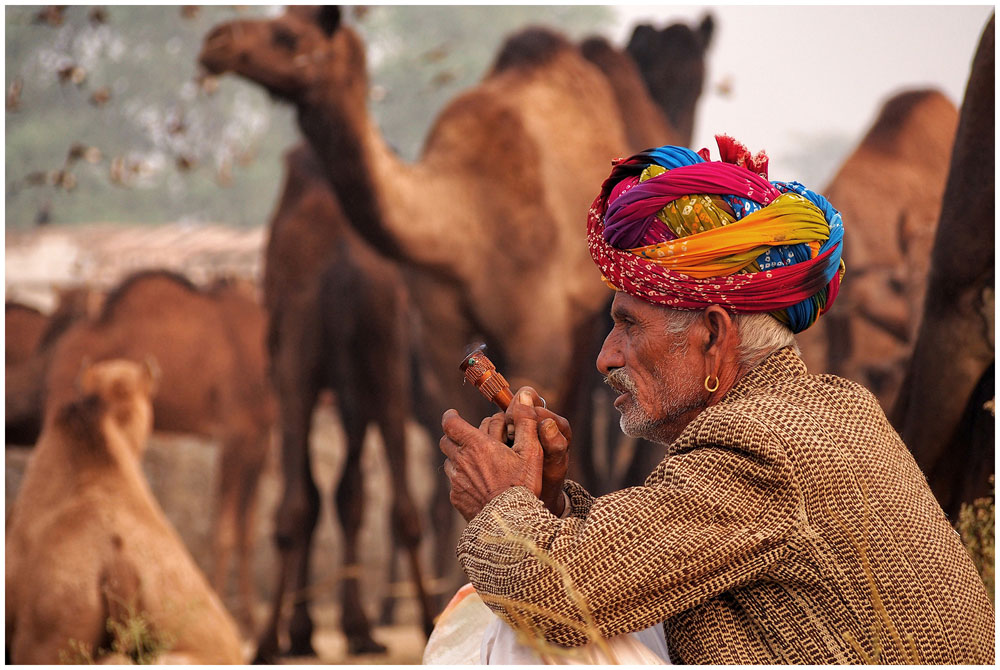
point(387, 201)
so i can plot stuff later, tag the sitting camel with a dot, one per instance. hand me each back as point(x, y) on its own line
point(210, 347)
point(338, 319)
point(889, 192)
point(487, 224)
point(944, 410)
point(94, 571)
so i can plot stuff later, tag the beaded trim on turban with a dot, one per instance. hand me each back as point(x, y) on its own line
point(676, 229)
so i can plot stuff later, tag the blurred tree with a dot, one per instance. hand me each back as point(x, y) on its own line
point(107, 119)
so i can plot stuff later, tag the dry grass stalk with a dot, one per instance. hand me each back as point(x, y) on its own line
point(906, 646)
point(977, 527)
point(132, 638)
point(527, 634)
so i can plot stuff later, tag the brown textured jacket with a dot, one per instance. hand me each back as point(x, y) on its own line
point(787, 524)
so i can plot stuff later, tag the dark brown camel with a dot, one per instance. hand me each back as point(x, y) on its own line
point(338, 320)
point(510, 165)
point(30, 337)
point(209, 346)
point(23, 330)
point(940, 411)
point(889, 193)
point(672, 63)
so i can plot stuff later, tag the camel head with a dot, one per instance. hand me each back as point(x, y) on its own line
point(302, 51)
point(672, 62)
point(123, 390)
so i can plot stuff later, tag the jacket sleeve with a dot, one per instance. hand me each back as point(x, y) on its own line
point(713, 516)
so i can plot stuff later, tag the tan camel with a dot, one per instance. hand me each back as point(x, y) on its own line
point(503, 184)
point(889, 193)
point(210, 347)
point(942, 412)
point(488, 223)
point(338, 320)
point(90, 555)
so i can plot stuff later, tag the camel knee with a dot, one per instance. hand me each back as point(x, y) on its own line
point(350, 497)
point(406, 523)
point(296, 518)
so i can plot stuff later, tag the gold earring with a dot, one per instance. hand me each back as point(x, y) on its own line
point(713, 389)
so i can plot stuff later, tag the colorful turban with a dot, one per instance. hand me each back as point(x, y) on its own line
point(673, 228)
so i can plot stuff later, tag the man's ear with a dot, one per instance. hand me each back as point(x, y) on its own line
point(721, 340)
point(719, 325)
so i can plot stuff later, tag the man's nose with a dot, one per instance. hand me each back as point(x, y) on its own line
point(610, 356)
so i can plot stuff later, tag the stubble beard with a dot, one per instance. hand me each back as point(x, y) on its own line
point(635, 421)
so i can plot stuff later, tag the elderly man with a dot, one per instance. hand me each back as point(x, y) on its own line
point(788, 523)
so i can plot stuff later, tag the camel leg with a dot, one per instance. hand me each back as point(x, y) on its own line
point(224, 526)
point(350, 509)
point(387, 615)
point(301, 527)
point(246, 526)
point(295, 522)
point(406, 521)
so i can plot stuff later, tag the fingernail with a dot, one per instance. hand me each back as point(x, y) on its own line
point(525, 398)
point(550, 428)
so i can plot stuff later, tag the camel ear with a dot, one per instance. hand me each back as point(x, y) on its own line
point(153, 373)
point(328, 19)
point(705, 30)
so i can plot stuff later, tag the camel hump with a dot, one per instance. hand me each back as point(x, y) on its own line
point(916, 116)
point(117, 296)
point(531, 47)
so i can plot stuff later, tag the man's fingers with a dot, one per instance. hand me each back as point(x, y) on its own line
point(495, 426)
point(561, 422)
point(458, 429)
point(554, 443)
point(448, 447)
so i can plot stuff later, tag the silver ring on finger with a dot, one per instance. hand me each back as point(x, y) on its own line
point(544, 406)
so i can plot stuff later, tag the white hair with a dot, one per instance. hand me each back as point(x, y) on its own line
point(760, 334)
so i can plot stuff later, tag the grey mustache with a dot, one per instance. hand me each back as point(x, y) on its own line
point(619, 380)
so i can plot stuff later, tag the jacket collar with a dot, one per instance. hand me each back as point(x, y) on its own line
point(780, 366)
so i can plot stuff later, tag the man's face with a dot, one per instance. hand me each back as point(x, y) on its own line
point(660, 383)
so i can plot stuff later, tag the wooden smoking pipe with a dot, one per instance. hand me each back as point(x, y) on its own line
point(479, 370)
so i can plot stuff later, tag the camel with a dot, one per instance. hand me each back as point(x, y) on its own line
point(646, 125)
point(672, 63)
point(29, 339)
point(941, 412)
point(338, 320)
point(889, 192)
point(510, 165)
point(210, 347)
point(23, 330)
point(90, 555)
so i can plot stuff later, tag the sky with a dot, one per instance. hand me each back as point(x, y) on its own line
point(807, 82)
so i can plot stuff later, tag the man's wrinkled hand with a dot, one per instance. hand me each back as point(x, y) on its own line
point(480, 466)
point(555, 435)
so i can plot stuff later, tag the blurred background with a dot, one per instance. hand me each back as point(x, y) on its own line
point(123, 155)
